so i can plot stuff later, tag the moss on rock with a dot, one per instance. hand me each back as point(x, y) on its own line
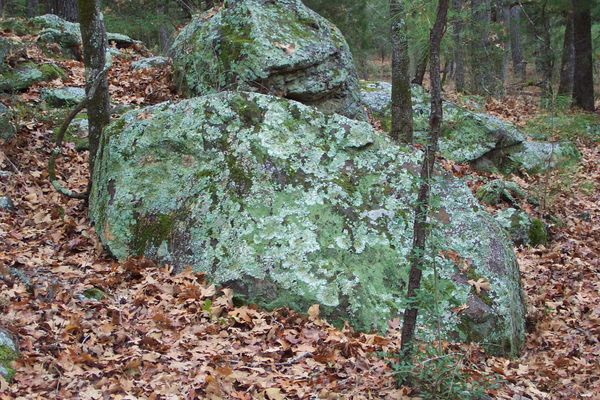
point(8, 354)
point(291, 207)
point(282, 48)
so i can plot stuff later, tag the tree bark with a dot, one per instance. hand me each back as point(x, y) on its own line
point(32, 8)
point(459, 53)
point(402, 121)
point(485, 60)
point(420, 231)
point(583, 82)
point(93, 35)
point(66, 9)
point(515, 43)
point(163, 31)
point(567, 64)
point(421, 69)
point(546, 57)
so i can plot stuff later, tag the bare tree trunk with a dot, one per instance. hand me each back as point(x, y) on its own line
point(583, 83)
point(547, 58)
point(515, 43)
point(93, 35)
point(32, 8)
point(402, 121)
point(567, 64)
point(420, 231)
point(459, 53)
point(421, 69)
point(66, 9)
point(486, 59)
point(163, 31)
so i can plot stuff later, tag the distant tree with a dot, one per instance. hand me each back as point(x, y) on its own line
point(66, 9)
point(458, 45)
point(516, 49)
point(567, 64)
point(583, 82)
point(402, 120)
point(32, 8)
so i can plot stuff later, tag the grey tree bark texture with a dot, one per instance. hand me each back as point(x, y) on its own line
point(516, 50)
point(459, 52)
point(485, 59)
point(66, 9)
point(402, 121)
point(93, 35)
point(583, 78)
point(567, 63)
point(32, 8)
point(420, 230)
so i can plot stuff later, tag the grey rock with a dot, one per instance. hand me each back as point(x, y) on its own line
point(292, 207)
point(9, 352)
point(7, 125)
point(65, 96)
point(150, 62)
point(278, 47)
point(6, 203)
point(516, 222)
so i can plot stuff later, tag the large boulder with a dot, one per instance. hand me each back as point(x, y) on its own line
point(65, 96)
point(277, 47)
point(469, 137)
point(292, 207)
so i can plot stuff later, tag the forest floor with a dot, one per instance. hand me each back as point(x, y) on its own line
point(161, 336)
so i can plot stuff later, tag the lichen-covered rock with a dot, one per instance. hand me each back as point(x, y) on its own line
point(150, 62)
point(278, 47)
point(497, 191)
point(516, 222)
point(68, 34)
point(7, 126)
point(25, 75)
point(6, 203)
point(468, 137)
point(293, 207)
point(65, 96)
point(9, 352)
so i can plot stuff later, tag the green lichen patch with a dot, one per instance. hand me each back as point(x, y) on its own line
point(538, 235)
point(8, 354)
point(282, 48)
point(291, 207)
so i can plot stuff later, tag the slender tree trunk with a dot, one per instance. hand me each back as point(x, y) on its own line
point(420, 231)
point(93, 35)
point(515, 43)
point(583, 83)
point(66, 9)
point(567, 64)
point(486, 59)
point(459, 52)
point(547, 58)
point(421, 69)
point(402, 122)
point(32, 8)
point(163, 31)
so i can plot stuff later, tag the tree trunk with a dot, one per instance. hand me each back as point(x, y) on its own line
point(486, 59)
point(66, 9)
point(459, 53)
point(93, 35)
point(515, 43)
point(583, 82)
point(420, 231)
point(32, 8)
point(163, 31)
point(402, 122)
point(546, 57)
point(567, 64)
point(421, 69)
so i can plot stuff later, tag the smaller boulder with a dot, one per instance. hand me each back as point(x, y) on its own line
point(498, 191)
point(7, 126)
point(150, 62)
point(26, 75)
point(538, 157)
point(6, 204)
point(66, 96)
point(517, 224)
point(9, 352)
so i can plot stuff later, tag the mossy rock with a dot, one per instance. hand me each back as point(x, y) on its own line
point(28, 74)
point(538, 235)
point(65, 96)
point(497, 191)
point(292, 207)
point(483, 140)
point(517, 223)
point(278, 47)
point(9, 353)
point(7, 124)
